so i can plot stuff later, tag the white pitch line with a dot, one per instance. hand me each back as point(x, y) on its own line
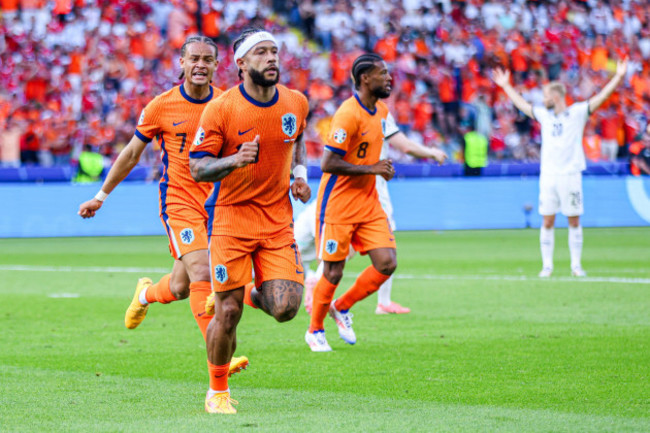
point(116, 269)
point(526, 278)
point(99, 269)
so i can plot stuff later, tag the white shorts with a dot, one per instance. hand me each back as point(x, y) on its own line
point(305, 232)
point(384, 199)
point(561, 193)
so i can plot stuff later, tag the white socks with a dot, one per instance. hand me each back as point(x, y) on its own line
point(142, 297)
point(575, 246)
point(547, 243)
point(383, 294)
point(212, 392)
point(319, 270)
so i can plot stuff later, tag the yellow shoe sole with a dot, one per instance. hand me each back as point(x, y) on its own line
point(136, 312)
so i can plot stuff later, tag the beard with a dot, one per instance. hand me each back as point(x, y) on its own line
point(380, 92)
point(258, 78)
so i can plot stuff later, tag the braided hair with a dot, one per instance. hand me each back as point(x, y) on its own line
point(240, 40)
point(197, 38)
point(363, 64)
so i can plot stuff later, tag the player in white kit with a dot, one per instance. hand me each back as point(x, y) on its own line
point(562, 159)
point(305, 225)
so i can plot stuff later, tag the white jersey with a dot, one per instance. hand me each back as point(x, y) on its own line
point(562, 151)
point(381, 185)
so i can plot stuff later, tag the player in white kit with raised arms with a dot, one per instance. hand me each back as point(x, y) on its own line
point(562, 160)
point(305, 226)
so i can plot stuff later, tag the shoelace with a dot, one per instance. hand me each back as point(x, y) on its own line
point(320, 338)
point(223, 400)
point(347, 319)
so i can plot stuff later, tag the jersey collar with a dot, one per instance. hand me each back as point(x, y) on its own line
point(196, 101)
point(372, 113)
point(253, 101)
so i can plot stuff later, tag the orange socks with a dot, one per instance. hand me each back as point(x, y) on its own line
point(199, 292)
point(218, 376)
point(247, 294)
point(367, 283)
point(323, 294)
point(160, 291)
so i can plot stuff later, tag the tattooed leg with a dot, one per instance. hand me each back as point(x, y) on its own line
point(278, 298)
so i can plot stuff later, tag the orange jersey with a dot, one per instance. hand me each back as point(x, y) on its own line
point(357, 134)
point(173, 118)
point(252, 202)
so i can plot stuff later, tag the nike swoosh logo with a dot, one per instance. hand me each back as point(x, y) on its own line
point(244, 132)
point(298, 272)
point(178, 123)
point(364, 133)
point(391, 239)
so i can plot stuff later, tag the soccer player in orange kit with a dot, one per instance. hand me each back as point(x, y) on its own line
point(348, 210)
point(173, 117)
point(247, 143)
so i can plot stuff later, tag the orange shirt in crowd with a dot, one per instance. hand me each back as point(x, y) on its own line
point(599, 58)
point(9, 5)
point(387, 47)
point(422, 114)
point(591, 145)
point(62, 7)
point(447, 90)
point(210, 23)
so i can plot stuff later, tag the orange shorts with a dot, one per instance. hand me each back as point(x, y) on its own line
point(186, 229)
point(231, 258)
point(334, 240)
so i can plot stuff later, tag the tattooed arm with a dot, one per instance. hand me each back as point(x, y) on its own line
point(212, 169)
point(299, 152)
point(300, 189)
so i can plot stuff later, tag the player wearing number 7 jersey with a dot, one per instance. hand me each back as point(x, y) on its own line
point(562, 160)
point(173, 118)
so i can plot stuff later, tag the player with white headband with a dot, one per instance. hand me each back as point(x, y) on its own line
point(248, 142)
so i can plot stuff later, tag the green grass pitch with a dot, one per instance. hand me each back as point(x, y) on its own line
point(488, 347)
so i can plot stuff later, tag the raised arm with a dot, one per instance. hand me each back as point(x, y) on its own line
point(598, 99)
point(502, 79)
point(402, 143)
point(126, 160)
point(299, 188)
point(334, 163)
point(213, 169)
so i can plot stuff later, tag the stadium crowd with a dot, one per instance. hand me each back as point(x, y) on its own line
point(76, 74)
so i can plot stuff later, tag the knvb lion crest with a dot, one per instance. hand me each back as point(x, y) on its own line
point(289, 124)
point(187, 236)
point(331, 246)
point(220, 273)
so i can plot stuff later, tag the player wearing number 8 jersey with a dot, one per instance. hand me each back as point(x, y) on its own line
point(348, 210)
point(562, 160)
point(247, 142)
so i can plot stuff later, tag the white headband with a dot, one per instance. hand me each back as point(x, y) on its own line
point(251, 41)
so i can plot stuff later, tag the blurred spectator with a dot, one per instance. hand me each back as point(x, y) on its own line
point(10, 144)
point(475, 151)
point(79, 72)
point(591, 143)
point(90, 166)
point(640, 155)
